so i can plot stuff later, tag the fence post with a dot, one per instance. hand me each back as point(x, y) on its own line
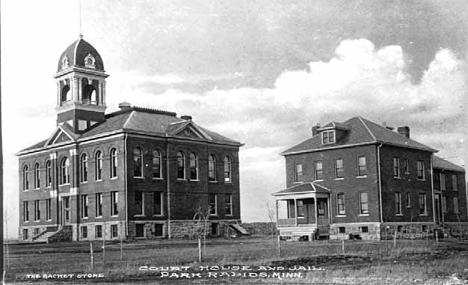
point(394, 239)
point(92, 254)
point(199, 249)
point(437, 235)
point(342, 245)
point(104, 249)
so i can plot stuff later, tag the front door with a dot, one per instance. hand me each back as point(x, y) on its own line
point(322, 212)
point(65, 210)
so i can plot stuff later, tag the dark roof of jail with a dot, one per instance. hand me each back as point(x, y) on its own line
point(441, 163)
point(357, 130)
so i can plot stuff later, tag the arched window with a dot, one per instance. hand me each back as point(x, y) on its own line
point(84, 168)
point(157, 164)
point(227, 169)
point(48, 174)
point(25, 178)
point(37, 176)
point(193, 166)
point(212, 168)
point(138, 162)
point(89, 95)
point(65, 94)
point(113, 163)
point(65, 171)
point(98, 168)
point(180, 165)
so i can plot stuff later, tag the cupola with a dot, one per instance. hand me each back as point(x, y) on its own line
point(81, 86)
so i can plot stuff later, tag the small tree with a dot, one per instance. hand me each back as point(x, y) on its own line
point(202, 215)
point(272, 216)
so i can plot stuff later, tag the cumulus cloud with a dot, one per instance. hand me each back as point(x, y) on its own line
point(358, 80)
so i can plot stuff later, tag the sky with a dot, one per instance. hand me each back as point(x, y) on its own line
point(260, 72)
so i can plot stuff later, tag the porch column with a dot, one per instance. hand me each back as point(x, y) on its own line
point(316, 211)
point(295, 211)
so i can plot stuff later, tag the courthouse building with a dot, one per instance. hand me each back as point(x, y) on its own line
point(133, 173)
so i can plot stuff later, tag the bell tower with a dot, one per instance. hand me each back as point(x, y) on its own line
point(81, 87)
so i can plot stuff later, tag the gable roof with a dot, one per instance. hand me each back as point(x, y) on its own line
point(142, 121)
point(357, 131)
point(441, 163)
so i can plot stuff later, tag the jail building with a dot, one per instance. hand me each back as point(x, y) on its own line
point(133, 173)
point(365, 180)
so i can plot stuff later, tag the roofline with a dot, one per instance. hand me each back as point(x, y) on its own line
point(354, 145)
point(450, 169)
point(73, 68)
point(367, 128)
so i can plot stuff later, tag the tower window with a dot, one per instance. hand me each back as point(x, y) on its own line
point(89, 95)
point(65, 95)
point(90, 61)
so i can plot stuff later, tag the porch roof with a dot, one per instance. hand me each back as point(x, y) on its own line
point(303, 188)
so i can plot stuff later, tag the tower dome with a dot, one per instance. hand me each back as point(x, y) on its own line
point(80, 54)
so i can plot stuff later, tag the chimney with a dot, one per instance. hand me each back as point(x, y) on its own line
point(125, 106)
point(187, 118)
point(387, 127)
point(404, 131)
point(315, 129)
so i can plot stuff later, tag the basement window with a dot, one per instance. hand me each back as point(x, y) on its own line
point(364, 229)
point(342, 230)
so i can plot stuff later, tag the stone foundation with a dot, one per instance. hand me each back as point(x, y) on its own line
point(409, 230)
point(365, 231)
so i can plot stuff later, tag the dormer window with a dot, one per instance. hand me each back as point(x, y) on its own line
point(64, 62)
point(328, 137)
point(90, 61)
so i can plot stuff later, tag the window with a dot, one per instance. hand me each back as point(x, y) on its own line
point(363, 202)
point(37, 176)
point(342, 230)
point(193, 166)
point(66, 208)
point(25, 211)
point(98, 204)
point(422, 204)
point(454, 182)
point(98, 169)
point(25, 234)
point(362, 169)
point(158, 230)
point(228, 205)
point(406, 166)
point(25, 178)
point(139, 208)
point(420, 166)
point(398, 209)
point(113, 163)
point(65, 171)
point(318, 170)
point(328, 137)
point(98, 231)
point(444, 204)
point(180, 165)
point(137, 162)
point(300, 208)
point(37, 210)
point(84, 232)
point(140, 230)
point(455, 205)
point(84, 168)
point(157, 203)
point(48, 209)
point(115, 231)
point(298, 173)
point(408, 200)
point(340, 199)
point(84, 206)
point(442, 181)
point(157, 164)
point(212, 168)
point(213, 204)
point(339, 170)
point(227, 169)
point(48, 174)
point(396, 167)
point(364, 229)
point(114, 203)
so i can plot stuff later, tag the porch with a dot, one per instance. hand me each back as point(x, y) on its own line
point(303, 210)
